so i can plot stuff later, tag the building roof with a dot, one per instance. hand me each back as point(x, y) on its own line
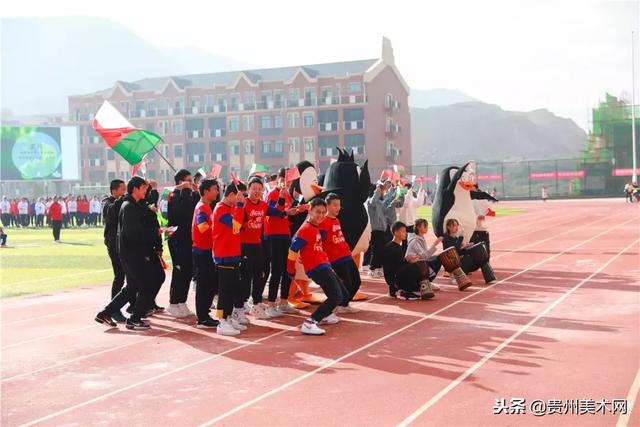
point(228, 78)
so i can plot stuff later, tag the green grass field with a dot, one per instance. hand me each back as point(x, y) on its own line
point(35, 264)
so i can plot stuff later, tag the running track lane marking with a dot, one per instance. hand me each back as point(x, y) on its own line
point(107, 350)
point(623, 421)
point(411, 418)
point(499, 256)
point(120, 390)
point(379, 340)
point(333, 362)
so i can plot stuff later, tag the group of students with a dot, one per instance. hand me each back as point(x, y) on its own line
point(230, 239)
point(76, 211)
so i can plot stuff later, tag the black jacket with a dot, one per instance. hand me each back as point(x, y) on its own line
point(138, 231)
point(180, 209)
point(110, 209)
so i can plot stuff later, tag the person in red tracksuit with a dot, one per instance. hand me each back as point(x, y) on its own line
point(338, 252)
point(55, 216)
point(202, 245)
point(252, 266)
point(227, 220)
point(307, 242)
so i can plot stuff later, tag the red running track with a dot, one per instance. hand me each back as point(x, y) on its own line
point(561, 323)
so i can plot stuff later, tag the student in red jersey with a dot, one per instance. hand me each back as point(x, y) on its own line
point(338, 252)
point(252, 266)
point(278, 234)
point(55, 216)
point(227, 221)
point(307, 242)
point(206, 274)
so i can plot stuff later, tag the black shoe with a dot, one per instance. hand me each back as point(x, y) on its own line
point(207, 323)
point(138, 325)
point(105, 319)
point(156, 308)
point(409, 295)
point(393, 291)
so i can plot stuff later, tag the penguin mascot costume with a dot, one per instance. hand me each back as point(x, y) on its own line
point(303, 190)
point(352, 183)
point(453, 200)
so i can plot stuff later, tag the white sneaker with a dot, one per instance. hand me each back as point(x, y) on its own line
point(236, 325)
point(331, 319)
point(239, 316)
point(272, 311)
point(435, 287)
point(247, 308)
point(175, 310)
point(285, 308)
point(225, 328)
point(348, 309)
point(310, 327)
point(185, 310)
point(260, 311)
point(365, 268)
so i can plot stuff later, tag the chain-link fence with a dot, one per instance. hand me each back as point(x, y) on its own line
point(561, 178)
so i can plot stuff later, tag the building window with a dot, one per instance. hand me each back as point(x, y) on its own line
point(234, 147)
point(309, 144)
point(294, 145)
point(266, 147)
point(177, 151)
point(177, 127)
point(355, 87)
point(249, 147)
point(111, 176)
point(111, 155)
point(163, 127)
point(250, 99)
point(234, 124)
point(265, 122)
point(293, 120)
point(279, 146)
point(308, 119)
point(247, 123)
point(277, 121)
point(234, 102)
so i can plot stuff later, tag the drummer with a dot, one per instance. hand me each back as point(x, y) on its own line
point(453, 238)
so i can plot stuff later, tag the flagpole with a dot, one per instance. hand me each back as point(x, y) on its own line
point(634, 174)
point(163, 157)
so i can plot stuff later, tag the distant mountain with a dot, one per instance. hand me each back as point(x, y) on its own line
point(44, 60)
point(479, 131)
point(425, 98)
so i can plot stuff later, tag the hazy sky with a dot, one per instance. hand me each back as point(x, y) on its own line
point(521, 55)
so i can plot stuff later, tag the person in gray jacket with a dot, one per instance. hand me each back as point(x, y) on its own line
point(381, 208)
point(419, 250)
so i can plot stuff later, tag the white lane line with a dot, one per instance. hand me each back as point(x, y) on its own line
point(396, 332)
point(165, 374)
point(453, 384)
point(623, 421)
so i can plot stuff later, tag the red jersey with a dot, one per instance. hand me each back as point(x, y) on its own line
point(55, 211)
point(277, 224)
point(308, 242)
point(254, 217)
point(201, 228)
point(333, 241)
point(225, 233)
point(83, 206)
point(14, 208)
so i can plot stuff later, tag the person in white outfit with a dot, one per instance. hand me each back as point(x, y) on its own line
point(40, 211)
point(408, 212)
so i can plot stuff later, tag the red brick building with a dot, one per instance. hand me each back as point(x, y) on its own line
point(275, 117)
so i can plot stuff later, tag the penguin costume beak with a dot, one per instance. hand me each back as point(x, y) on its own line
point(317, 189)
